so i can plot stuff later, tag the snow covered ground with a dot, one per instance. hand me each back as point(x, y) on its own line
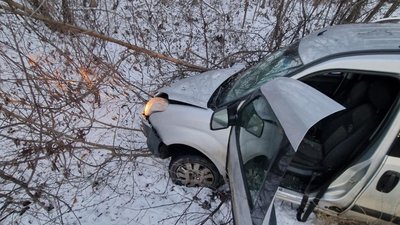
point(143, 194)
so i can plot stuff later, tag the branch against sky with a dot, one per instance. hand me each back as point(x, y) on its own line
point(14, 7)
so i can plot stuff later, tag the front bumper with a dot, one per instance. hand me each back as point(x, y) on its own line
point(154, 142)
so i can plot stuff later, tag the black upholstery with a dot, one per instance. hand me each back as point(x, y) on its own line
point(341, 134)
point(357, 95)
point(358, 124)
point(379, 96)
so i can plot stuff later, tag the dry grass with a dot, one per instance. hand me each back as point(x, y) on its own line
point(325, 219)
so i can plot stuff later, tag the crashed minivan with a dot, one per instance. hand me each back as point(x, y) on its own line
point(275, 130)
point(346, 163)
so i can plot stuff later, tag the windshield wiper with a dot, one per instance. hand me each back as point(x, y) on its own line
point(221, 90)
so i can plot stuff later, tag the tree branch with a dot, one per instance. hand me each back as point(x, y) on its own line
point(24, 11)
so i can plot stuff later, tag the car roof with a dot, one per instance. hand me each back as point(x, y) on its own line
point(349, 38)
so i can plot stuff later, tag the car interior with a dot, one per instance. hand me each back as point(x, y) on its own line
point(338, 140)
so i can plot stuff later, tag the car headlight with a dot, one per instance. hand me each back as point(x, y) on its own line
point(156, 104)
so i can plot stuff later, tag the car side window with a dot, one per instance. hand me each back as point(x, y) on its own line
point(263, 146)
point(259, 139)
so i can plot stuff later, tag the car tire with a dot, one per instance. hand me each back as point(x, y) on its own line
point(194, 171)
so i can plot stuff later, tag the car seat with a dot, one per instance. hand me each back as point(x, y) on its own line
point(341, 134)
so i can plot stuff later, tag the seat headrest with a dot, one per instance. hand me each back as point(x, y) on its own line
point(357, 95)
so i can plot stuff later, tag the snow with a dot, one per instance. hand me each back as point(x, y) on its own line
point(143, 194)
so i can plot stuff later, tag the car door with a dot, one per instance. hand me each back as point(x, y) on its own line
point(268, 130)
point(380, 199)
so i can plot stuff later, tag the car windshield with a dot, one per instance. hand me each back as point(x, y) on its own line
point(279, 63)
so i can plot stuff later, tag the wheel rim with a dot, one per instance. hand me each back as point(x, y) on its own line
point(194, 174)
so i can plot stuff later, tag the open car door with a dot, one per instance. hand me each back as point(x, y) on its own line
point(268, 130)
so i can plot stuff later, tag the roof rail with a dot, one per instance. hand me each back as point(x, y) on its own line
point(388, 20)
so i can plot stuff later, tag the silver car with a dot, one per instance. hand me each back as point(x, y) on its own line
point(346, 164)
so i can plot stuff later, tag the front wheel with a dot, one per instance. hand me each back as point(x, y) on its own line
point(194, 171)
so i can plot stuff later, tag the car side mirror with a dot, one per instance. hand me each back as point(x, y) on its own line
point(220, 119)
point(224, 117)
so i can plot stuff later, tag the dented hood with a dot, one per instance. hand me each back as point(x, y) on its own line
point(197, 90)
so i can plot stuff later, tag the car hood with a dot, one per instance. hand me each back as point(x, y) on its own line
point(197, 90)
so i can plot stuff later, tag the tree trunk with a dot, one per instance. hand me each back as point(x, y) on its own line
point(392, 8)
point(375, 10)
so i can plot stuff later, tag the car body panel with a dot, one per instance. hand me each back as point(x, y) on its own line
point(381, 63)
point(241, 212)
point(348, 38)
point(197, 90)
point(383, 202)
point(190, 126)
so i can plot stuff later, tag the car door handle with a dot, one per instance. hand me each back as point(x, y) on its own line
point(388, 181)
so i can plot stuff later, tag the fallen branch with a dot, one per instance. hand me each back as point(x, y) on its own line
point(24, 11)
point(59, 134)
point(213, 213)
